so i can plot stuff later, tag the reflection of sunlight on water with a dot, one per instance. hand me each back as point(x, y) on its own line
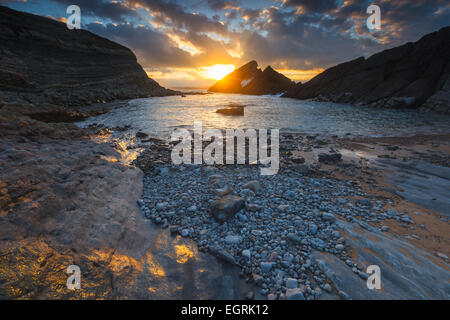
point(183, 253)
point(121, 145)
point(358, 154)
point(153, 266)
point(159, 116)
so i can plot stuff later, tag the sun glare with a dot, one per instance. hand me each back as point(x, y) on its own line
point(217, 71)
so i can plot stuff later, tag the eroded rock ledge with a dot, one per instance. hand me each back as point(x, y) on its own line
point(414, 75)
point(42, 61)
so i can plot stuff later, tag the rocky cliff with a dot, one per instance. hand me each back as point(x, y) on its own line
point(414, 75)
point(42, 61)
point(249, 79)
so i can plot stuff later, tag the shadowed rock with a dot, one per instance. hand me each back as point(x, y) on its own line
point(41, 60)
point(249, 79)
point(409, 76)
point(225, 208)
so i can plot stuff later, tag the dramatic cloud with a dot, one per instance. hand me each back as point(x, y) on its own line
point(301, 37)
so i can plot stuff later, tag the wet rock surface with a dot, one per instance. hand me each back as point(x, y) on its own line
point(293, 228)
point(69, 201)
point(407, 272)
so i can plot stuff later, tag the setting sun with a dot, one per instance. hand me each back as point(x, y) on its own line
point(217, 71)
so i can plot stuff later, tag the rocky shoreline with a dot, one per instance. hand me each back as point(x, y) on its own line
point(301, 234)
point(413, 75)
point(279, 229)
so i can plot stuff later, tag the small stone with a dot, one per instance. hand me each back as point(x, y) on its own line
point(294, 238)
point(294, 294)
point(328, 217)
point(253, 207)
point(330, 158)
point(246, 254)
point(327, 288)
point(225, 256)
point(344, 295)
point(231, 239)
point(163, 171)
point(223, 191)
point(291, 283)
point(365, 203)
point(257, 279)
point(441, 255)
point(270, 296)
point(173, 229)
point(250, 295)
point(303, 169)
point(253, 185)
point(247, 193)
point(225, 208)
point(298, 160)
point(339, 247)
point(312, 228)
point(384, 228)
point(161, 205)
point(141, 135)
point(266, 266)
point(336, 234)
point(192, 208)
point(184, 233)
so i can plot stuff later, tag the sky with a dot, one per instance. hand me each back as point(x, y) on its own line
point(192, 43)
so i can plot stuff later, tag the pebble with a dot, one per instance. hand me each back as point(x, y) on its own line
point(441, 255)
point(328, 217)
point(270, 231)
point(294, 294)
point(232, 239)
point(266, 266)
point(291, 283)
point(253, 185)
point(247, 254)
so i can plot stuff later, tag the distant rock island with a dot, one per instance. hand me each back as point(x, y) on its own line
point(42, 61)
point(414, 75)
point(249, 79)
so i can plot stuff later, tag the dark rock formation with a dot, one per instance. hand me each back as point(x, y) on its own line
point(41, 60)
point(330, 158)
point(223, 209)
point(232, 110)
point(414, 75)
point(249, 79)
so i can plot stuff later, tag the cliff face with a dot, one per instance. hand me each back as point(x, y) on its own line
point(42, 61)
point(249, 79)
point(414, 75)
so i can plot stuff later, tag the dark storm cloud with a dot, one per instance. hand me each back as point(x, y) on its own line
point(153, 48)
point(157, 49)
point(115, 11)
point(312, 5)
point(221, 4)
point(173, 14)
point(289, 33)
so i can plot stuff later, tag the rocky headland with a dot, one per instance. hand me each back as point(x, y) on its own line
point(414, 75)
point(45, 67)
point(249, 79)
